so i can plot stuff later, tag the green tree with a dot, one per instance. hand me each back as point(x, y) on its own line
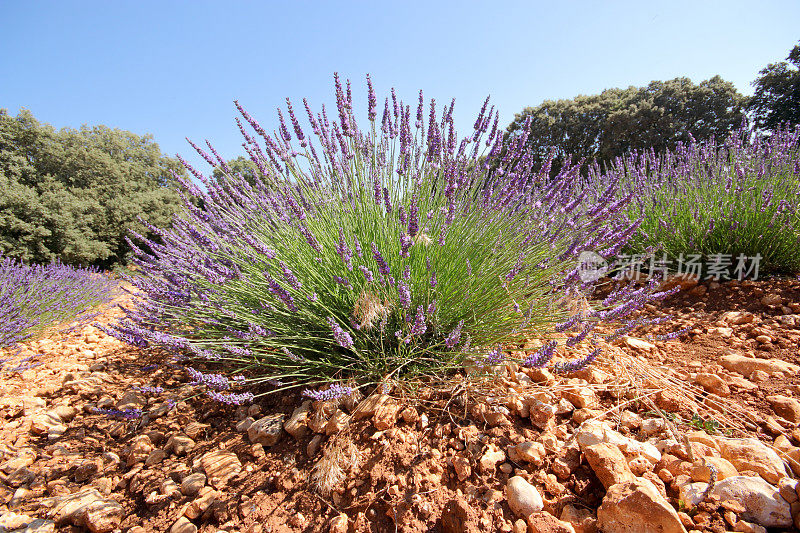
point(599, 128)
point(241, 165)
point(74, 195)
point(777, 96)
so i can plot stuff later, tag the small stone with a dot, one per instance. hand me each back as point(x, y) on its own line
point(455, 516)
point(462, 467)
point(40, 525)
point(220, 466)
point(179, 444)
point(245, 423)
point(785, 407)
point(788, 488)
point(752, 454)
point(492, 456)
point(65, 412)
point(763, 503)
point(639, 344)
point(369, 406)
point(102, 516)
point(385, 416)
point(155, 457)
point(608, 463)
point(183, 525)
point(747, 365)
point(338, 524)
point(522, 497)
point(297, 424)
point(637, 507)
point(11, 520)
point(581, 397)
point(520, 526)
point(337, 422)
point(543, 522)
point(192, 484)
point(713, 383)
point(531, 452)
point(267, 430)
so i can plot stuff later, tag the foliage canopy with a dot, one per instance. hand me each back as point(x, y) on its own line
point(601, 127)
point(777, 97)
point(73, 195)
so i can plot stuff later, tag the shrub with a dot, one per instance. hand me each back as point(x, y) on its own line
point(72, 195)
point(602, 127)
point(721, 203)
point(367, 253)
point(35, 298)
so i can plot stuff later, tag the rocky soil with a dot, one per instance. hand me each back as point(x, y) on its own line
point(694, 434)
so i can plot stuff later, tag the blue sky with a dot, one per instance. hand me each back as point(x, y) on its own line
point(173, 68)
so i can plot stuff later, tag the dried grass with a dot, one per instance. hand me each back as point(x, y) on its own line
point(339, 456)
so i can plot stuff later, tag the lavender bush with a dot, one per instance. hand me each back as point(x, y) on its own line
point(34, 298)
point(738, 199)
point(397, 249)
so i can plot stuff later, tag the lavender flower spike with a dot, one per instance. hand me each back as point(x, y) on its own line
point(331, 393)
point(342, 338)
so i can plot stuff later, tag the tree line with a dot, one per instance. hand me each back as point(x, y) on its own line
point(596, 129)
point(74, 195)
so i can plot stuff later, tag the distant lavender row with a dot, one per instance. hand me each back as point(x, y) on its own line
point(739, 199)
point(34, 298)
point(399, 249)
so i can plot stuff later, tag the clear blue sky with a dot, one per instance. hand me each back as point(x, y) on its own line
point(173, 68)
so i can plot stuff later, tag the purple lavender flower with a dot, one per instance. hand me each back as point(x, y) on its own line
point(541, 357)
point(454, 337)
point(343, 281)
point(383, 267)
point(405, 244)
point(367, 273)
point(126, 414)
point(342, 338)
point(289, 276)
point(413, 217)
point(404, 292)
point(495, 356)
point(150, 389)
point(574, 366)
point(212, 381)
point(419, 328)
point(291, 355)
point(371, 100)
point(231, 398)
point(344, 251)
point(334, 391)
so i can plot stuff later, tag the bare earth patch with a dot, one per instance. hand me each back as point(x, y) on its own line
point(523, 450)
